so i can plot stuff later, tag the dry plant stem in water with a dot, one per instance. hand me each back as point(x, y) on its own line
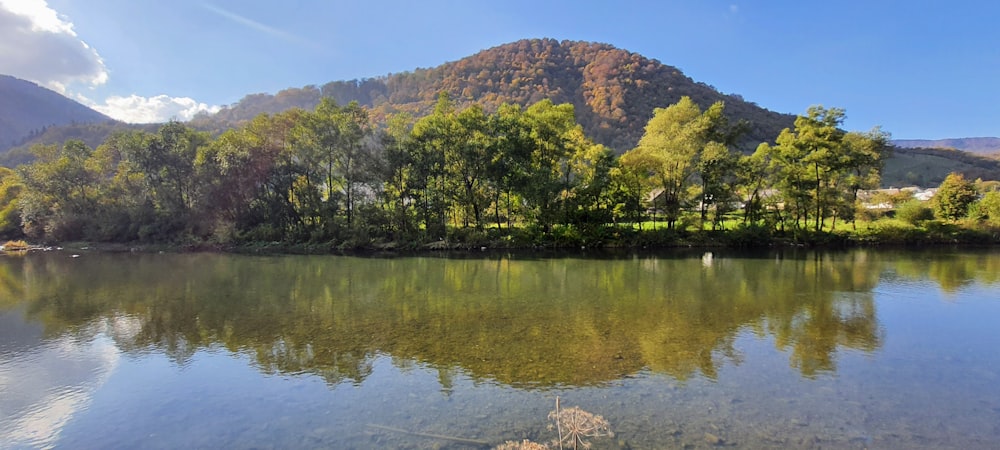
point(577, 424)
point(574, 425)
point(558, 427)
point(523, 445)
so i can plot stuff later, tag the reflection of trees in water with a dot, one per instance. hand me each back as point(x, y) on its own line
point(520, 322)
point(11, 280)
point(952, 270)
point(811, 306)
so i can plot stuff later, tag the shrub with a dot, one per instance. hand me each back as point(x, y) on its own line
point(468, 236)
point(914, 212)
point(888, 231)
point(660, 237)
point(752, 235)
point(953, 197)
point(566, 236)
point(987, 208)
point(14, 246)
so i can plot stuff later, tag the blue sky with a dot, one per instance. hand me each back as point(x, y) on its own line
point(918, 69)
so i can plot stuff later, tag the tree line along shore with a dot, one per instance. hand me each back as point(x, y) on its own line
point(517, 177)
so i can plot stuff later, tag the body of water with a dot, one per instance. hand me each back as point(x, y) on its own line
point(856, 349)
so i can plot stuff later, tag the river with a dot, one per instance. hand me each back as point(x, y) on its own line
point(692, 349)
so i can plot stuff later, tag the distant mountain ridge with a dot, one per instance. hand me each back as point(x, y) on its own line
point(27, 109)
point(614, 91)
point(981, 145)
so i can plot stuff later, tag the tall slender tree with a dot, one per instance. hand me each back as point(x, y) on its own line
point(670, 149)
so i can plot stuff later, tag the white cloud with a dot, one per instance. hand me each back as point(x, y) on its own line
point(38, 45)
point(58, 381)
point(161, 108)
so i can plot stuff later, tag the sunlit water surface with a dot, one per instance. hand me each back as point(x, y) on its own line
point(860, 349)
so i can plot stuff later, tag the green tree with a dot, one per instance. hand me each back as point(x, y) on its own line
point(862, 159)
point(287, 204)
point(335, 140)
point(753, 179)
point(467, 162)
point(807, 161)
point(717, 174)
point(428, 140)
point(398, 174)
point(123, 203)
point(555, 136)
point(670, 148)
point(10, 212)
point(61, 193)
point(511, 151)
point(819, 168)
point(461, 143)
point(625, 193)
point(589, 182)
point(357, 131)
point(988, 208)
point(166, 160)
point(153, 181)
point(236, 170)
point(953, 197)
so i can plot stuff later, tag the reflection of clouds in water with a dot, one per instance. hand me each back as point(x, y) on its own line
point(42, 387)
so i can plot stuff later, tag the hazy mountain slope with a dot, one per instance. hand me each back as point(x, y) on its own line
point(927, 167)
point(92, 134)
point(981, 145)
point(27, 109)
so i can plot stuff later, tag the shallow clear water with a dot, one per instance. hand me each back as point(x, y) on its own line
point(859, 349)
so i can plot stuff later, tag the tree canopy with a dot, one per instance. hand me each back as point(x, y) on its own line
point(332, 176)
point(954, 197)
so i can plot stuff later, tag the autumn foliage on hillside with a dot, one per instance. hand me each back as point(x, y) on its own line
point(613, 91)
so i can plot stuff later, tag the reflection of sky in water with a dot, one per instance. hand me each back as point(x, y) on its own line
point(44, 383)
point(929, 379)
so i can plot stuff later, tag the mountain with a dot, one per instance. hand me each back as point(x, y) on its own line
point(614, 91)
point(928, 167)
point(980, 145)
point(92, 134)
point(27, 110)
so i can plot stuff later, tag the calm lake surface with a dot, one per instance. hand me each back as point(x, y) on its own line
point(858, 349)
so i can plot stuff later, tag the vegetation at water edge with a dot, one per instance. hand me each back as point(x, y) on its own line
point(331, 179)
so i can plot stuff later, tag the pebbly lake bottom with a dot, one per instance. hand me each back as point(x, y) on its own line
point(847, 350)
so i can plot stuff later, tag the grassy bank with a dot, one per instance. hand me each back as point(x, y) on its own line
point(883, 232)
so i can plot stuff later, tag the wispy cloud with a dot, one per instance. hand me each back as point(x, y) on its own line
point(257, 26)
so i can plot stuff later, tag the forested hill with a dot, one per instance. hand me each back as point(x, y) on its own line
point(614, 91)
point(27, 109)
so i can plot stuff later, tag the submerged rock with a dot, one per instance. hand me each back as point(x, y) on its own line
point(712, 439)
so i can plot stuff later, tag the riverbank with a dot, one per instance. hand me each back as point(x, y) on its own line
point(873, 234)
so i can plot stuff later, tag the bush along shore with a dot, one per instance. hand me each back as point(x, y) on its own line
point(882, 233)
